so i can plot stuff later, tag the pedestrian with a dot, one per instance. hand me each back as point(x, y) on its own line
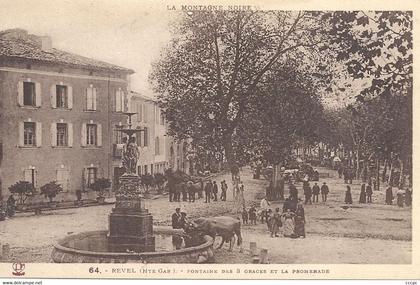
point(176, 219)
point(348, 199)
point(389, 196)
point(351, 175)
point(293, 191)
point(275, 223)
point(264, 206)
point(315, 192)
point(11, 206)
point(324, 192)
point(362, 197)
point(252, 215)
point(177, 224)
point(280, 187)
point(345, 175)
point(400, 198)
point(369, 193)
point(408, 197)
point(244, 216)
point(183, 221)
point(340, 171)
point(224, 187)
point(288, 224)
point(269, 219)
point(208, 190)
point(307, 191)
point(269, 191)
point(184, 192)
point(215, 191)
point(300, 221)
point(191, 191)
point(315, 175)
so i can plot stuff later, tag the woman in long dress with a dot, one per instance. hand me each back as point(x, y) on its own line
point(289, 223)
point(348, 199)
point(362, 198)
point(300, 221)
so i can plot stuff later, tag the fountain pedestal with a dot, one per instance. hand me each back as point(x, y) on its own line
point(130, 223)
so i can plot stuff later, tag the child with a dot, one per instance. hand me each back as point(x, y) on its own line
point(252, 215)
point(245, 216)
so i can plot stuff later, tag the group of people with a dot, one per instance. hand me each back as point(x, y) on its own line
point(347, 173)
point(366, 192)
point(211, 191)
point(291, 220)
point(312, 194)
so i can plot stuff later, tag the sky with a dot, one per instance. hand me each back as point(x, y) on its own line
point(125, 32)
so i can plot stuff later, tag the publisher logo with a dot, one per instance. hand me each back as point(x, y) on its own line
point(18, 269)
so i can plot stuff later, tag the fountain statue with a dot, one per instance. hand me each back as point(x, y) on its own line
point(130, 223)
point(131, 236)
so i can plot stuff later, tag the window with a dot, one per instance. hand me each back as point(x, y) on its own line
point(151, 169)
point(61, 96)
point(146, 137)
point(91, 135)
point(118, 135)
point(62, 134)
point(162, 118)
point(91, 176)
point(63, 178)
point(119, 101)
point(91, 98)
point(145, 169)
point(29, 94)
point(29, 135)
point(139, 108)
point(29, 175)
point(157, 149)
point(139, 170)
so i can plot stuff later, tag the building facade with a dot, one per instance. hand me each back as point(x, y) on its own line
point(158, 151)
point(58, 115)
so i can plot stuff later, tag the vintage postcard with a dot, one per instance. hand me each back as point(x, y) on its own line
point(209, 140)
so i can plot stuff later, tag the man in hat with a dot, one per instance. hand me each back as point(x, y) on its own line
point(208, 190)
point(176, 219)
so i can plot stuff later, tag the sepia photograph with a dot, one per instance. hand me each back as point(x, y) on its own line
point(204, 134)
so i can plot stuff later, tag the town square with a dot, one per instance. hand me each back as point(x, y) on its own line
point(219, 134)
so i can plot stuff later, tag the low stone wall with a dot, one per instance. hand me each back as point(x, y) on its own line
point(198, 254)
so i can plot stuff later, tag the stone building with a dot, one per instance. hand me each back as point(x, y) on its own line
point(158, 151)
point(58, 115)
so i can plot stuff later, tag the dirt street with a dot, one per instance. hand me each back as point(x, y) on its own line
point(374, 233)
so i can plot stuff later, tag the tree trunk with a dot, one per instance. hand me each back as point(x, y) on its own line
point(384, 172)
point(401, 182)
point(377, 174)
point(390, 173)
point(357, 164)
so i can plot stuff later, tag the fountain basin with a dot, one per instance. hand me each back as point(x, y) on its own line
point(93, 247)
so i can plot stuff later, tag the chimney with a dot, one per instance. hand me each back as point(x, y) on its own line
point(46, 43)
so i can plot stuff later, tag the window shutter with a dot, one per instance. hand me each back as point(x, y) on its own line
point(83, 135)
point(38, 95)
point(70, 134)
point(123, 102)
point(70, 97)
point(94, 98)
point(118, 101)
point(21, 130)
point(99, 134)
point(88, 98)
point(145, 113)
point(53, 95)
point(53, 134)
point(20, 93)
point(38, 130)
point(27, 175)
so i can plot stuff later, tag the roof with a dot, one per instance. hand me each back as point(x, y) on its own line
point(138, 96)
point(31, 50)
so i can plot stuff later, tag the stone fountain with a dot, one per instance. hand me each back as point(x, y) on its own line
point(131, 236)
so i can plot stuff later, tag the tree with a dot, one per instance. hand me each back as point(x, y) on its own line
point(23, 189)
point(51, 189)
point(208, 77)
point(376, 48)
